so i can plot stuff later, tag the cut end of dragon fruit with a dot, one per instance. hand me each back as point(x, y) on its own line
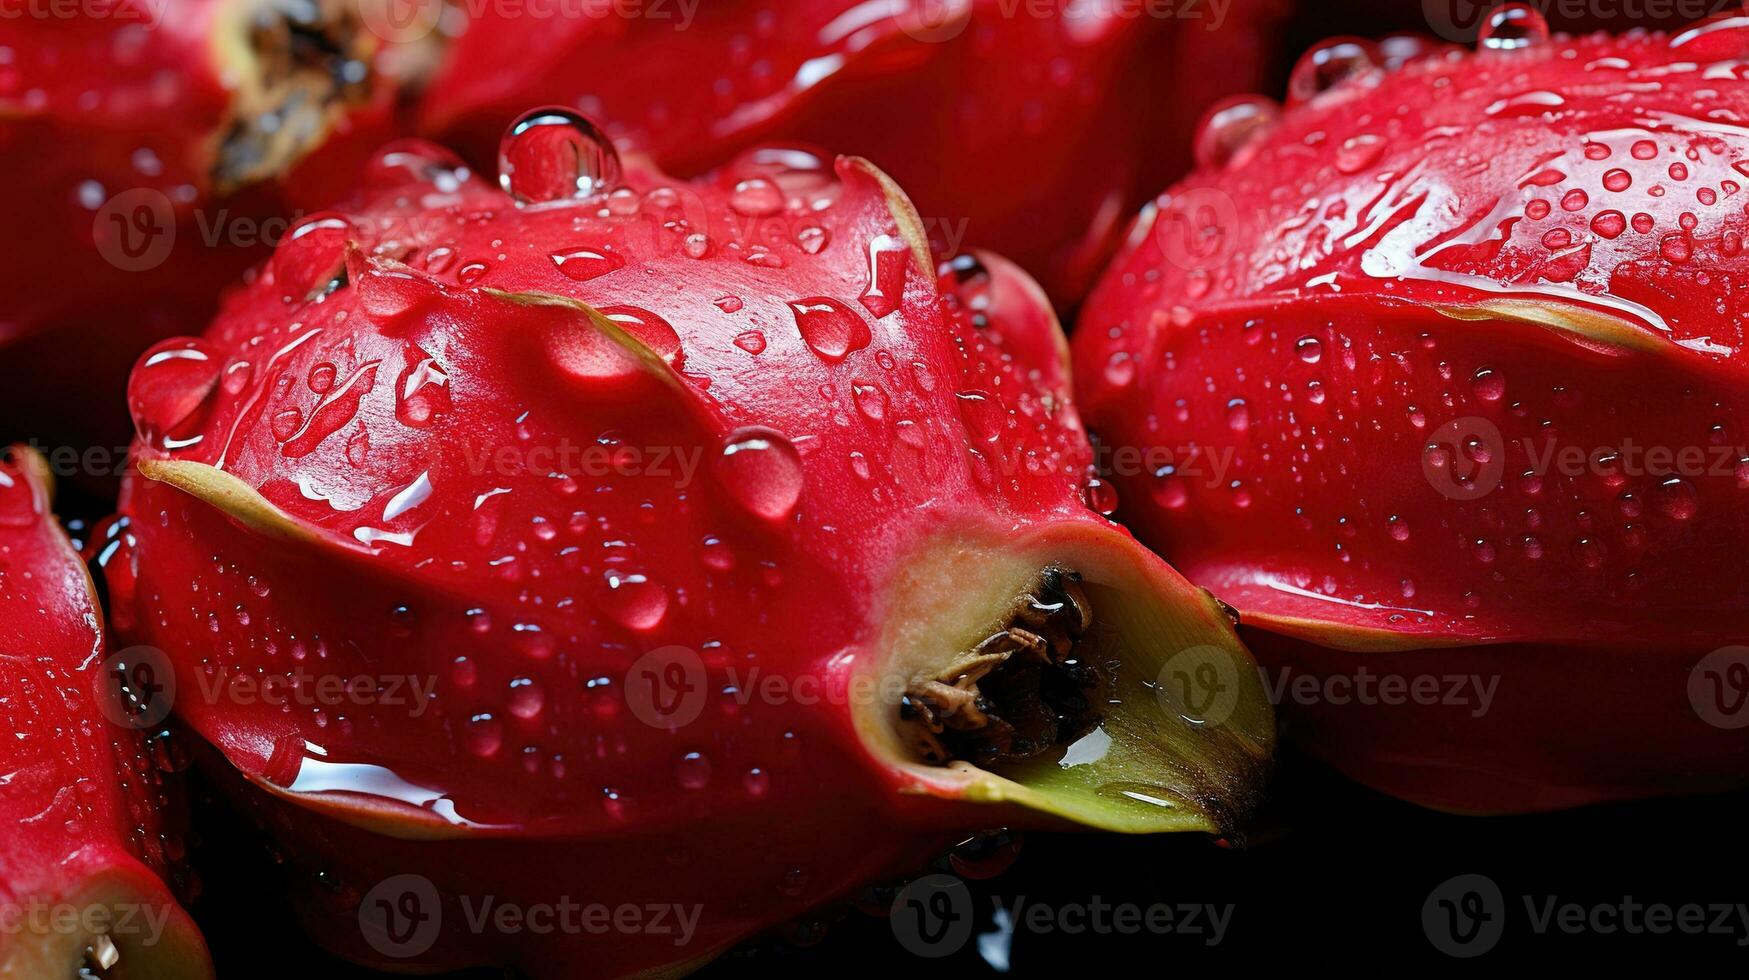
point(1101, 690)
point(297, 71)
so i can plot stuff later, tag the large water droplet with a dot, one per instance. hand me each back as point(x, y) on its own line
point(171, 392)
point(888, 258)
point(1511, 26)
point(637, 602)
point(830, 328)
point(650, 330)
point(554, 154)
point(756, 197)
point(1328, 65)
point(587, 262)
point(762, 471)
point(1231, 125)
point(414, 161)
point(311, 256)
point(422, 393)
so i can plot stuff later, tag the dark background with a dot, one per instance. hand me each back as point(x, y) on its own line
point(1331, 882)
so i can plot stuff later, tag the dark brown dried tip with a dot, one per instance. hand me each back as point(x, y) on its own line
point(1020, 692)
point(311, 61)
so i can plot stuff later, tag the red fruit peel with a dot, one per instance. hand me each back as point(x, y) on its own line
point(1030, 133)
point(1440, 374)
point(81, 865)
point(149, 156)
point(743, 559)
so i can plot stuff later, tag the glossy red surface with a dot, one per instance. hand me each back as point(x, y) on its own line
point(482, 486)
point(81, 797)
point(1444, 372)
point(1033, 130)
point(110, 124)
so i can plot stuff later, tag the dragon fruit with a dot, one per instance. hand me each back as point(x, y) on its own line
point(1031, 131)
point(696, 549)
point(151, 155)
point(1435, 374)
point(88, 843)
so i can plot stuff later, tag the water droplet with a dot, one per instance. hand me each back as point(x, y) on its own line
point(756, 197)
point(587, 262)
point(1230, 125)
point(871, 400)
point(762, 471)
point(485, 735)
point(753, 342)
point(1488, 385)
point(526, 698)
point(694, 770)
point(756, 782)
point(1677, 499)
point(983, 416)
point(1238, 415)
point(1310, 349)
point(985, 855)
point(532, 641)
point(463, 672)
point(321, 378)
point(1675, 247)
point(171, 392)
point(311, 256)
point(635, 601)
point(1617, 180)
point(554, 154)
point(650, 330)
point(829, 328)
point(1609, 224)
point(422, 393)
point(1100, 497)
point(1511, 26)
point(336, 408)
point(415, 161)
point(1359, 152)
point(1328, 65)
point(888, 258)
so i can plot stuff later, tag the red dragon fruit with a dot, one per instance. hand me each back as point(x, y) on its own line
point(1437, 375)
point(1031, 129)
point(687, 549)
point(142, 147)
point(85, 849)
